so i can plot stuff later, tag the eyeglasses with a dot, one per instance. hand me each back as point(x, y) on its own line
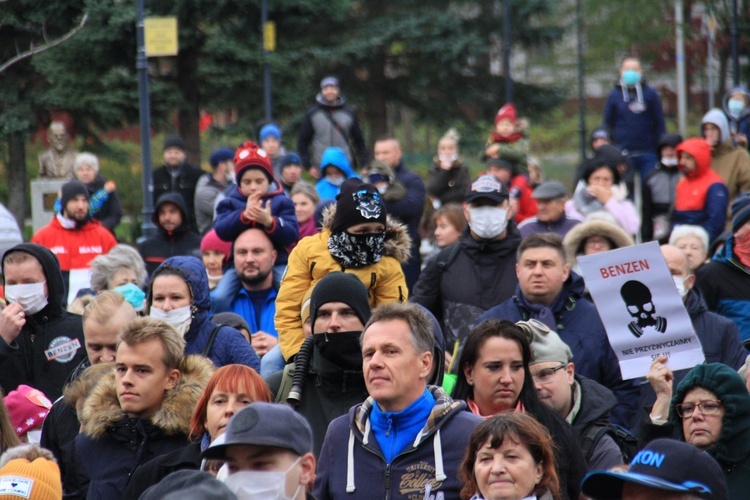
point(706, 408)
point(545, 376)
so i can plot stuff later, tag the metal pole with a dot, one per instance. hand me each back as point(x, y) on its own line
point(681, 79)
point(266, 65)
point(581, 96)
point(148, 228)
point(506, 51)
point(710, 64)
point(735, 45)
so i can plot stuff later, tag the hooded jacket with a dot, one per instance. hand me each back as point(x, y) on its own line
point(24, 361)
point(732, 449)
point(725, 285)
point(181, 241)
point(579, 326)
point(352, 464)
point(731, 162)
point(702, 197)
point(310, 261)
point(112, 444)
point(284, 230)
point(229, 346)
point(740, 123)
point(635, 117)
point(319, 131)
point(337, 158)
point(481, 275)
point(182, 180)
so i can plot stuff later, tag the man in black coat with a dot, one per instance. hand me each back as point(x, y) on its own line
point(40, 343)
point(174, 236)
point(178, 176)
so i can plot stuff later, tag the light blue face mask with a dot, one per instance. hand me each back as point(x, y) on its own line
point(735, 106)
point(133, 294)
point(630, 77)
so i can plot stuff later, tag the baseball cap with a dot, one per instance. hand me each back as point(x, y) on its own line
point(664, 465)
point(549, 190)
point(488, 187)
point(265, 424)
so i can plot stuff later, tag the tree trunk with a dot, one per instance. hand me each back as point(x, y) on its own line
point(17, 181)
point(188, 115)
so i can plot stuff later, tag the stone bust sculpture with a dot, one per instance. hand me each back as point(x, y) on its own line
point(57, 161)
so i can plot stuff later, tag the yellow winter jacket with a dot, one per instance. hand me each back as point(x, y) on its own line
point(310, 261)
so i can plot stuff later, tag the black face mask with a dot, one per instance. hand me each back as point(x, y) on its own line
point(356, 250)
point(342, 349)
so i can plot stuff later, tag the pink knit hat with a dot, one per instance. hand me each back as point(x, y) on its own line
point(27, 408)
point(211, 241)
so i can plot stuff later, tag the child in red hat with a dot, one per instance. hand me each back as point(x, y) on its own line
point(508, 141)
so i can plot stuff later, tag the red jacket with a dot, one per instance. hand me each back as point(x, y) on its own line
point(75, 248)
point(521, 189)
point(693, 188)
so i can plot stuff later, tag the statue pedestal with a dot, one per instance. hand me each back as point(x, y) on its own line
point(43, 195)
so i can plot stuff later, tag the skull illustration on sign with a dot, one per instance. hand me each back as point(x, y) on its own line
point(641, 308)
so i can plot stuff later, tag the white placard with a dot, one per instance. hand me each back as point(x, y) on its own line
point(78, 279)
point(641, 309)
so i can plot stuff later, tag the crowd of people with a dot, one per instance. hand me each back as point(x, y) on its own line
point(374, 334)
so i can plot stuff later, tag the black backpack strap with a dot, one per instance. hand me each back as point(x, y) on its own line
point(592, 436)
point(446, 256)
point(211, 339)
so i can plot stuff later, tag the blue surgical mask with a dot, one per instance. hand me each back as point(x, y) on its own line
point(736, 106)
point(630, 77)
point(133, 294)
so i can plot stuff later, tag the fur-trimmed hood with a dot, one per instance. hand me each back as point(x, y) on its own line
point(102, 408)
point(577, 236)
point(397, 240)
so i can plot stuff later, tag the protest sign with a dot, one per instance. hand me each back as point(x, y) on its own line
point(641, 309)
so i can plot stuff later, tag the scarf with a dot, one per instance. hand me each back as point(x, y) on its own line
point(543, 313)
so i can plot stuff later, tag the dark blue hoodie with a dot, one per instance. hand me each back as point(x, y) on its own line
point(229, 346)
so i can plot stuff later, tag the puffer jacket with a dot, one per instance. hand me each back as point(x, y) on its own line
point(24, 360)
point(702, 197)
point(310, 261)
point(731, 162)
point(75, 248)
point(229, 346)
point(284, 231)
point(112, 445)
point(165, 244)
point(659, 191)
point(353, 466)
point(579, 325)
point(482, 274)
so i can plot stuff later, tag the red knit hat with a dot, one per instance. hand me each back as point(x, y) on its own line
point(507, 112)
point(211, 241)
point(250, 155)
point(27, 408)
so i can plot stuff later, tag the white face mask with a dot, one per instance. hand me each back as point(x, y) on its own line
point(29, 296)
point(336, 181)
point(487, 222)
point(669, 162)
point(34, 436)
point(679, 282)
point(261, 485)
point(178, 318)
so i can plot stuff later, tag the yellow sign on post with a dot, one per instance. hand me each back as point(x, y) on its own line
point(269, 36)
point(161, 36)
